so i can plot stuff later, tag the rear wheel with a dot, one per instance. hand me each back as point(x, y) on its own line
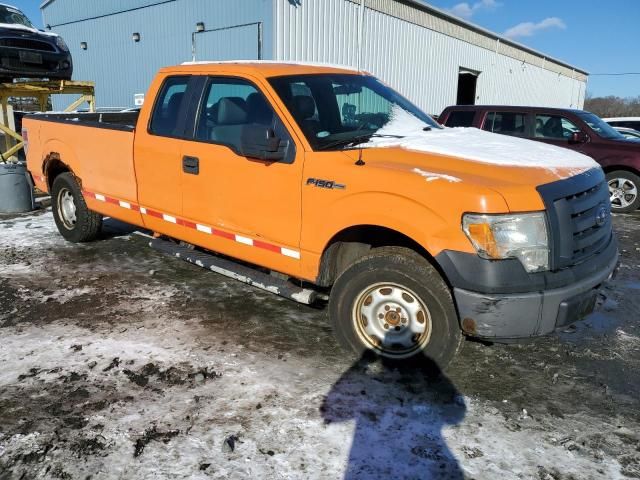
point(73, 218)
point(393, 303)
point(624, 190)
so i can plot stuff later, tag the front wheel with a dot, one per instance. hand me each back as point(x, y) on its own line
point(623, 191)
point(393, 303)
point(73, 218)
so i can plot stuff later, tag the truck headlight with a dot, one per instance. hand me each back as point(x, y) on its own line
point(522, 236)
point(61, 44)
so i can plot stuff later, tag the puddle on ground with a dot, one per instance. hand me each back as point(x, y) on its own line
point(598, 323)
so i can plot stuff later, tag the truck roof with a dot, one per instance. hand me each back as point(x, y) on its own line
point(509, 108)
point(264, 68)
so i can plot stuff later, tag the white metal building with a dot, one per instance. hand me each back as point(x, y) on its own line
point(431, 57)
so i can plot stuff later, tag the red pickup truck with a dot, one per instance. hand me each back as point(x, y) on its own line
point(577, 130)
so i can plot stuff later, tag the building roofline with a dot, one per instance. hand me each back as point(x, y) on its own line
point(422, 5)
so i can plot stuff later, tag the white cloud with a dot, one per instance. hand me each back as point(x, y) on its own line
point(527, 29)
point(466, 10)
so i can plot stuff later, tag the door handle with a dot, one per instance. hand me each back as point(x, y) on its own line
point(191, 165)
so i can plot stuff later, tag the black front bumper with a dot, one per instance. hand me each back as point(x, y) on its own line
point(54, 65)
point(499, 299)
point(507, 316)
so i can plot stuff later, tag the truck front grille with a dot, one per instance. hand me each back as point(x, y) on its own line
point(27, 43)
point(579, 214)
point(49, 66)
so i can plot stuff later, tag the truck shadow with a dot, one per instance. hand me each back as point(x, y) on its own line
point(399, 414)
point(112, 228)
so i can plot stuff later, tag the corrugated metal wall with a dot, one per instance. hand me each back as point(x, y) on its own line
point(421, 63)
point(121, 67)
point(417, 53)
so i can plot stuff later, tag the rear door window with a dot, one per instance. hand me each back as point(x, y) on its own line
point(506, 123)
point(461, 118)
point(166, 118)
point(554, 127)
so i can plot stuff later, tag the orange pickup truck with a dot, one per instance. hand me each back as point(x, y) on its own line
point(319, 182)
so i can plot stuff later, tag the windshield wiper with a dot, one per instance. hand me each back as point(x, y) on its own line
point(357, 140)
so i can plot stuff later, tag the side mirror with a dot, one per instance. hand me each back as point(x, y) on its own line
point(260, 141)
point(578, 137)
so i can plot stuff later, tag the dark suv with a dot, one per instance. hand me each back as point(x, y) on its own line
point(26, 52)
point(575, 129)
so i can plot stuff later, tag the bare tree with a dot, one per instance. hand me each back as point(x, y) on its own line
point(612, 106)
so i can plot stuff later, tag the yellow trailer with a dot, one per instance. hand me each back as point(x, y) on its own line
point(41, 91)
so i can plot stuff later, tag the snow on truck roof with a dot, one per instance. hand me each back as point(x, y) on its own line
point(275, 63)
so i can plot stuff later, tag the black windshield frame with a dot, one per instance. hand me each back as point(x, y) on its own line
point(328, 110)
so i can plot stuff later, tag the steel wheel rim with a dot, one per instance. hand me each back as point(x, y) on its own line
point(391, 320)
point(622, 192)
point(67, 208)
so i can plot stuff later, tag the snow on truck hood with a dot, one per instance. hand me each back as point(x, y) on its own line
point(477, 145)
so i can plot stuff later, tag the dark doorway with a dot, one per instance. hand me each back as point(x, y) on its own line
point(467, 81)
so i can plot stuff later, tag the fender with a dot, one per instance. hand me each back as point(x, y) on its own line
point(621, 162)
point(418, 222)
point(56, 150)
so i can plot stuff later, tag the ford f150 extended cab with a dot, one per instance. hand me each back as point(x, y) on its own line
point(327, 179)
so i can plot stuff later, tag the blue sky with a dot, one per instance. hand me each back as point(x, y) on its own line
point(600, 37)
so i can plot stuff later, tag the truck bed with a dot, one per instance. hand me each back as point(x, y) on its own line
point(111, 120)
point(96, 147)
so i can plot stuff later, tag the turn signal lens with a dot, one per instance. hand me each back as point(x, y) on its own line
point(482, 236)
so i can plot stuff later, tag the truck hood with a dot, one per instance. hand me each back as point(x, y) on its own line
point(23, 30)
point(512, 167)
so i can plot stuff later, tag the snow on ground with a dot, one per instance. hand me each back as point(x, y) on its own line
point(477, 145)
point(151, 368)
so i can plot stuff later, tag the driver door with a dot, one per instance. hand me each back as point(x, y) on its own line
point(243, 207)
point(556, 130)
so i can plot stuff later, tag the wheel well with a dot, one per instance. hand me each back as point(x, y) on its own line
point(354, 242)
point(53, 167)
point(613, 168)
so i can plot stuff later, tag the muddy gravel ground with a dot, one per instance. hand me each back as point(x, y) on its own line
point(119, 362)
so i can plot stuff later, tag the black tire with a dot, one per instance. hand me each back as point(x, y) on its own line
point(87, 224)
point(362, 286)
point(621, 181)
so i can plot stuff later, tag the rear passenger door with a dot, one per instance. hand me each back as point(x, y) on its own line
point(460, 118)
point(157, 154)
point(240, 206)
point(514, 124)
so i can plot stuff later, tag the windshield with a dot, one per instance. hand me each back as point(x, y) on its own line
point(602, 128)
point(13, 16)
point(335, 111)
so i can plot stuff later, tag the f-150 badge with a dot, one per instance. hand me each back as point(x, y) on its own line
point(316, 182)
